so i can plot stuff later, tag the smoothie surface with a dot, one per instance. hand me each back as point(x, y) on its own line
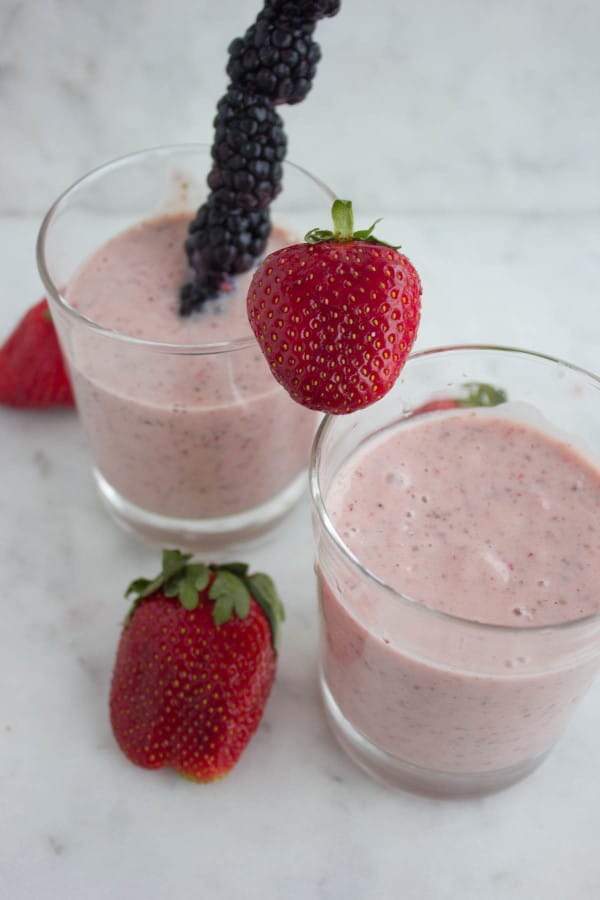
point(194, 435)
point(482, 517)
point(131, 285)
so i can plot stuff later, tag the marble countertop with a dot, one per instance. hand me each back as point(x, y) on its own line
point(442, 105)
point(295, 820)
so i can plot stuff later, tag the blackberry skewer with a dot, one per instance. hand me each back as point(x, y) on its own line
point(274, 62)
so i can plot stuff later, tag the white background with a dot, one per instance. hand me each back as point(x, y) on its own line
point(429, 105)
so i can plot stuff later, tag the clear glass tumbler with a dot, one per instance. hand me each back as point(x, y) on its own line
point(433, 702)
point(192, 444)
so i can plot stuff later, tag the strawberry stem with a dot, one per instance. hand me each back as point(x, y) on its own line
point(343, 219)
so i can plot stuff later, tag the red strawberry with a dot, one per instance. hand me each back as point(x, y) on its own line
point(195, 666)
point(477, 394)
point(337, 316)
point(32, 371)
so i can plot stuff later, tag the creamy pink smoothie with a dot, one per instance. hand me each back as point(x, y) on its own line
point(188, 435)
point(483, 518)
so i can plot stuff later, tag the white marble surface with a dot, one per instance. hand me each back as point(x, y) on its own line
point(461, 105)
point(295, 820)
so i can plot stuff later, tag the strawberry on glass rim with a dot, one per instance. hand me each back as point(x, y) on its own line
point(336, 316)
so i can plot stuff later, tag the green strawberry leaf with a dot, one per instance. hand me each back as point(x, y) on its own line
point(267, 588)
point(367, 234)
point(223, 609)
point(173, 562)
point(188, 593)
point(242, 604)
point(264, 592)
point(201, 575)
point(230, 586)
point(173, 569)
point(317, 236)
point(343, 228)
point(143, 587)
point(171, 588)
point(237, 568)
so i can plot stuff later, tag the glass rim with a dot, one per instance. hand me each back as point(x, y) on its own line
point(56, 295)
point(318, 504)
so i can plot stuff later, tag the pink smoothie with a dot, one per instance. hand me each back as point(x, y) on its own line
point(191, 434)
point(483, 518)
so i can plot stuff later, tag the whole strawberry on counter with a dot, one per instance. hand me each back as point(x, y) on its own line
point(32, 370)
point(195, 665)
point(337, 316)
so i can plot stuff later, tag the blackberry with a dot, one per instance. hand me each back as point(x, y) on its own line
point(247, 153)
point(309, 10)
point(275, 62)
point(226, 242)
point(276, 58)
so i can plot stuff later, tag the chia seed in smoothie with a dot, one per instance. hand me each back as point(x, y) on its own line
point(190, 432)
point(484, 519)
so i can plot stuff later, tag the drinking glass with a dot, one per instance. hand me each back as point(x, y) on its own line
point(192, 444)
point(437, 703)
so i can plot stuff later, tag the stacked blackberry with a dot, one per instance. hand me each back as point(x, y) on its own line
point(275, 62)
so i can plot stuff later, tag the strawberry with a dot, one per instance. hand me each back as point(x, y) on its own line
point(336, 316)
point(477, 394)
point(32, 370)
point(195, 665)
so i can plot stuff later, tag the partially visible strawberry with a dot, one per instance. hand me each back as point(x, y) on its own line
point(477, 394)
point(337, 316)
point(32, 370)
point(195, 666)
